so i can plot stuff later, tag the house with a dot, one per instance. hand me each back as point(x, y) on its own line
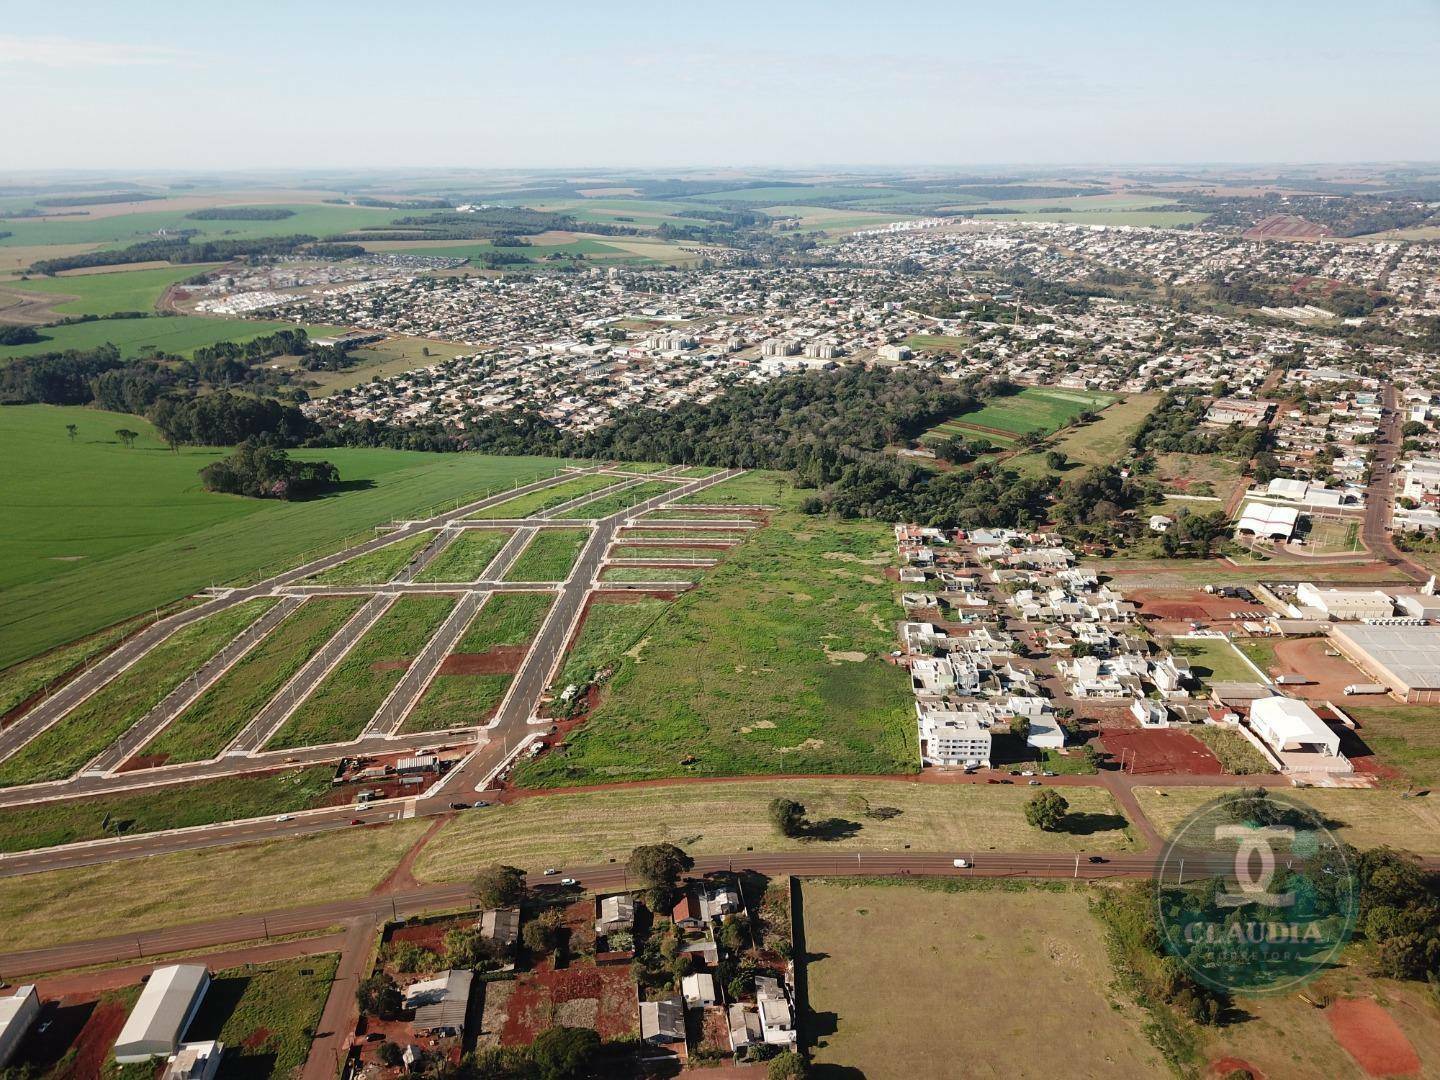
point(195, 1061)
point(1160, 523)
point(441, 1003)
point(17, 1013)
point(168, 1003)
point(777, 1019)
point(745, 1027)
point(615, 913)
point(502, 926)
point(663, 1022)
point(718, 898)
point(687, 914)
point(698, 989)
point(1045, 732)
point(1150, 714)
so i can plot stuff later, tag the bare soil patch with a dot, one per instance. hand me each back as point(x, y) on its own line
point(1165, 751)
point(501, 660)
point(1306, 656)
point(1370, 1035)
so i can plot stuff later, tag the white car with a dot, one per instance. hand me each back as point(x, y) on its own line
point(286, 817)
point(568, 881)
point(551, 871)
point(962, 864)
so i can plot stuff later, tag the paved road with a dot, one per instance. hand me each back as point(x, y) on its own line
point(406, 693)
point(1379, 496)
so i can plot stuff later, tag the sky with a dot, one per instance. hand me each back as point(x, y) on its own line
point(785, 83)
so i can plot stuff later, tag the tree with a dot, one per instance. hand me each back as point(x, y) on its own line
point(787, 1066)
point(379, 995)
point(1046, 811)
point(126, 436)
point(560, 1053)
point(72, 430)
point(500, 886)
point(1020, 727)
point(543, 934)
point(391, 1054)
point(1055, 460)
point(658, 865)
point(788, 817)
point(262, 471)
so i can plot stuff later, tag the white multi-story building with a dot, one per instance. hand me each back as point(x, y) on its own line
point(953, 737)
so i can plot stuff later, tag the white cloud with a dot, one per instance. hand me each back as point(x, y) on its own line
point(64, 52)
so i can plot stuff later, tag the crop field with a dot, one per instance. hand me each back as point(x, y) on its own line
point(773, 663)
point(1035, 408)
point(191, 886)
point(349, 696)
point(887, 951)
point(549, 556)
point(466, 557)
point(473, 680)
point(609, 630)
point(97, 533)
point(106, 293)
point(757, 488)
point(64, 747)
point(177, 806)
point(1098, 443)
point(605, 505)
point(536, 502)
point(1360, 817)
point(374, 567)
point(265, 1014)
point(180, 334)
point(1214, 660)
point(203, 730)
point(729, 816)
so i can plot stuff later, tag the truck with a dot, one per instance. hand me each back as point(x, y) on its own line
point(1365, 688)
point(1292, 680)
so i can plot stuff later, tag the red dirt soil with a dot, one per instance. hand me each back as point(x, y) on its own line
point(1372, 1037)
point(1192, 604)
point(1306, 656)
point(1162, 751)
point(1222, 1067)
point(390, 665)
point(501, 660)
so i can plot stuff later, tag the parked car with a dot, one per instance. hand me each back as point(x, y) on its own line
point(286, 817)
point(962, 864)
point(551, 871)
point(459, 806)
point(568, 881)
point(1034, 783)
point(1098, 859)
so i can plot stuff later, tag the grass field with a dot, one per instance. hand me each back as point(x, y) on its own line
point(605, 505)
point(23, 681)
point(709, 819)
point(374, 567)
point(1035, 408)
point(265, 1015)
point(549, 556)
point(104, 294)
point(345, 701)
point(936, 342)
point(454, 699)
point(1363, 818)
point(1235, 754)
point(95, 723)
point(661, 551)
point(177, 806)
point(1099, 443)
point(536, 502)
point(1214, 660)
point(755, 488)
point(885, 952)
point(191, 886)
point(466, 557)
point(179, 334)
point(209, 725)
point(1405, 737)
point(652, 573)
point(772, 663)
point(95, 533)
point(609, 630)
point(393, 356)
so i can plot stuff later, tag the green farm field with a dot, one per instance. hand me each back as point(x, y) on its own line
point(109, 292)
point(209, 725)
point(773, 663)
point(1035, 408)
point(345, 701)
point(180, 334)
point(95, 533)
point(64, 747)
point(1098, 443)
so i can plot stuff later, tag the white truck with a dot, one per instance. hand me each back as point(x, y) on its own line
point(1365, 688)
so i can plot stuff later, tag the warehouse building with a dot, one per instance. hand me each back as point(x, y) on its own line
point(1405, 658)
point(1267, 522)
point(17, 1014)
point(1344, 603)
point(166, 1006)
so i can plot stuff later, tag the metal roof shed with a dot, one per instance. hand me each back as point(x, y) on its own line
point(166, 1007)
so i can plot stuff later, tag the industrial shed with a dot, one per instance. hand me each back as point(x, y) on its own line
point(166, 1006)
point(1404, 658)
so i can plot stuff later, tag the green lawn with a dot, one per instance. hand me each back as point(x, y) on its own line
point(466, 557)
point(175, 806)
point(1213, 660)
point(549, 556)
point(95, 723)
point(454, 699)
point(1235, 754)
point(774, 663)
point(535, 502)
point(937, 342)
point(1404, 737)
point(95, 533)
point(265, 1015)
point(616, 501)
point(346, 700)
point(755, 488)
point(1098, 443)
point(104, 294)
point(1035, 408)
point(221, 713)
point(608, 631)
point(374, 567)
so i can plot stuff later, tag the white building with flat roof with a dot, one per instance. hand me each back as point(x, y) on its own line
point(953, 737)
point(17, 1014)
point(1345, 604)
point(1404, 658)
point(168, 1003)
point(1288, 726)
